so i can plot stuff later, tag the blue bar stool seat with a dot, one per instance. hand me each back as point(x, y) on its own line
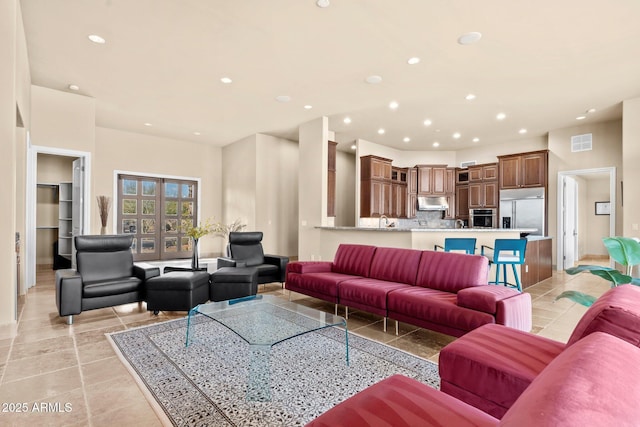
point(507, 252)
point(455, 244)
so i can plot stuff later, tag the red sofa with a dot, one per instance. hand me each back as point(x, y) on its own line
point(442, 291)
point(490, 367)
point(592, 383)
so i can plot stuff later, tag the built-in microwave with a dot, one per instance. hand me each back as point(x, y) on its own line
point(483, 218)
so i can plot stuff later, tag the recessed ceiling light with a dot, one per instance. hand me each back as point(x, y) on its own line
point(381, 131)
point(457, 135)
point(522, 131)
point(97, 39)
point(476, 139)
point(501, 116)
point(373, 79)
point(591, 110)
point(394, 105)
point(308, 107)
point(470, 97)
point(74, 87)
point(436, 144)
point(469, 38)
point(407, 139)
point(196, 133)
point(347, 120)
point(581, 117)
point(413, 61)
point(148, 124)
point(226, 80)
point(353, 147)
point(283, 98)
point(427, 122)
point(323, 3)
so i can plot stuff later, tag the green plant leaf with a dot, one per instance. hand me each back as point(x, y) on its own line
point(581, 268)
point(579, 297)
point(613, 276)
point(624, 250)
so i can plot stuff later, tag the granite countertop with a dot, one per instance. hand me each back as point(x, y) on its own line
point(437, 230)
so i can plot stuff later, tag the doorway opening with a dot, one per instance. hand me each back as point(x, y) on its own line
point(55, 206)
point(580, 226)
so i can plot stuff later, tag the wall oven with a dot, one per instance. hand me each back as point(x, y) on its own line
point(483, 218)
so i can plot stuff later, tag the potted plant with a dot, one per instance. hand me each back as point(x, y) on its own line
point(224, 229)
point(625, 251)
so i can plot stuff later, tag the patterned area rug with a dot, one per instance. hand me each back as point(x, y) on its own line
point(205, 384)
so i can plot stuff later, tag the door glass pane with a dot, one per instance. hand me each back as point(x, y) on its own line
point(134, 246)
point(129, 226)
point(148, 188)
point(186, 222)
point(171, 189)
point(148, 245)
point(171, 244)
point(129, 187)
point(148, 207)
point(187, 243)
point(187, 208)
point(129, 206)
point(171, 226)
point(148, 226)
point(187, 191)
point(171, 208)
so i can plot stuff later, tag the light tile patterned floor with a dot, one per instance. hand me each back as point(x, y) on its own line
point(51, 362)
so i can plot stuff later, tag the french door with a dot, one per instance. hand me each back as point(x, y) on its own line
point(156, 211)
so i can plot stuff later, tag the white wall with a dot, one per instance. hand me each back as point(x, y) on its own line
point(631, 171)
point(598, 225)
point(346, 189)
point(489, 153)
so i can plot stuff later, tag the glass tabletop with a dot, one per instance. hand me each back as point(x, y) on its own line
point(267, 319)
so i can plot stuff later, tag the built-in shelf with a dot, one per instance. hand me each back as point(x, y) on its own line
point(65, 196)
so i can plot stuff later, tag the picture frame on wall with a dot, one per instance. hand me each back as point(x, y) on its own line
point(603, 208)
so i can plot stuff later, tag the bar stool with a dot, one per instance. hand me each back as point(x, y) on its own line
point(507, 252)
point(451, 244)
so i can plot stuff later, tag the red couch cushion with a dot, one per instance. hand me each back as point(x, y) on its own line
point(353, 259)
point(616, 312)
point(399, 401)
point(491, 366)
point(592, 383)
point(450, 272)
point(322, 283)
point(435, 306)
point(484, 298)
point(395, 265)
point(371, 293)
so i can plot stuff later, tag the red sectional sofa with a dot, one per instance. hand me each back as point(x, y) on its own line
point(490, 367)
point(442, 291)
point(592, 383)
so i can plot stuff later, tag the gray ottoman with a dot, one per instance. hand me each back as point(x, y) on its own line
point(177, 291)
point(233, 282)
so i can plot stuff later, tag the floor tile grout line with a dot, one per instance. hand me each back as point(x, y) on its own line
point(82, 382)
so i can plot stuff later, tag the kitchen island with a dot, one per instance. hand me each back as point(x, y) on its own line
point(419, 238)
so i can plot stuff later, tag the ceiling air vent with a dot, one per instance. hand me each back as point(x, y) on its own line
point(467, 163)
point(581, 143)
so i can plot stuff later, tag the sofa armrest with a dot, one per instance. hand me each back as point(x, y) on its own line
point(484, 298)
point(399, 400)
point(303, 267)
point(280, 262)
point(68, 292)
point(226, 262)
point(144, 271)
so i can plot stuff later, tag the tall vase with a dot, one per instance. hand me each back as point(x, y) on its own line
point(103, 230)
point(195, 263)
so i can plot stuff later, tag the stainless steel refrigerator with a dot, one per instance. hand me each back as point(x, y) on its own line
point(523, 208)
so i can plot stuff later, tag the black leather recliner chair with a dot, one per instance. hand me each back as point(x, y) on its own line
point(245, 250)
point(105, 276)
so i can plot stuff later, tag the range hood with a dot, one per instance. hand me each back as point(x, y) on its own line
point(432, 203)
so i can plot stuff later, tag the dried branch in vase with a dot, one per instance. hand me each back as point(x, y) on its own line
point(104, 206)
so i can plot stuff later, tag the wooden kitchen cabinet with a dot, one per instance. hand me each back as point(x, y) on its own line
point(412, 192)
point(376, 191)
point(434, 180)
point(462, 202)
point(399, 192)
point(524, 170)
point(331, 179)
point(537, 262)
point(483, 186)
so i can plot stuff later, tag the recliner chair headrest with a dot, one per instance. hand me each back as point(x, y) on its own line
point(245, 237)
point(104, 243)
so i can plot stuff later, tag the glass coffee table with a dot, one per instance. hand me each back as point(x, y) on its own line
point(264, 321)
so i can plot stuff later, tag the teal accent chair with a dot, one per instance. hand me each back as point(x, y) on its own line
point(507, 252)
point(456, 244)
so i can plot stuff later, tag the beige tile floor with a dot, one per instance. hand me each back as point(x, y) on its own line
point(48, 361)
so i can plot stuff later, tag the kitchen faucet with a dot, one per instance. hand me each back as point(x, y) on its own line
point(386, 221)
